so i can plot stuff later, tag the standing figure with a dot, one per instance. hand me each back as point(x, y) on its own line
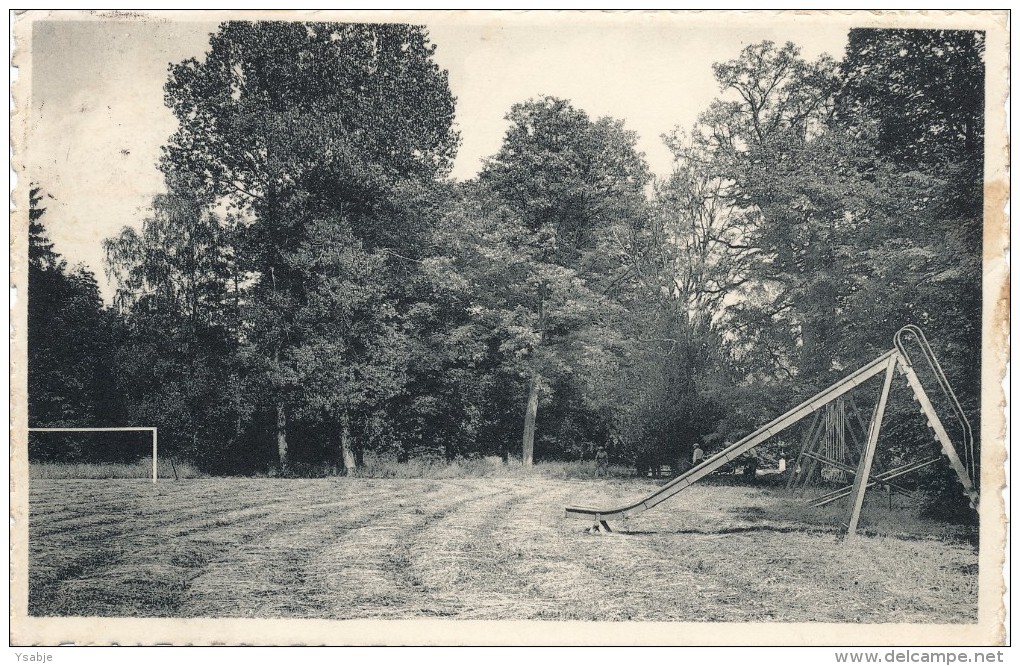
point(751, 468)
point(698, 456)
point(601, 462)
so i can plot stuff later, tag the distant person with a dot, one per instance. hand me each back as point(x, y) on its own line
point(751, 468)
point(699, 455)
point(601, 462)
point(782, 465)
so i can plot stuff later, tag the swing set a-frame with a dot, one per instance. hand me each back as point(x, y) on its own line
point(814, 452)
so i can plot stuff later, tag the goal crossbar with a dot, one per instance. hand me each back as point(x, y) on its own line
point(154, 431)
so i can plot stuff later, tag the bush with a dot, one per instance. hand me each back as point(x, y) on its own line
point(138, 470)
point(388, 466)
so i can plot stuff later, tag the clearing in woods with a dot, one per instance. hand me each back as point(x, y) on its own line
point(480, 548)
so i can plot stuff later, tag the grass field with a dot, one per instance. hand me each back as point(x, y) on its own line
point(480, 548)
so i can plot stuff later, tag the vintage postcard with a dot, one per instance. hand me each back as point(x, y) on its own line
point(509, 328)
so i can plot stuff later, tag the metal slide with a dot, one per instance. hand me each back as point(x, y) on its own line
point(887, 362)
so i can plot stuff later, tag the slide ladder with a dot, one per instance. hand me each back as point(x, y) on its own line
point(966, 433)
point(886, 363)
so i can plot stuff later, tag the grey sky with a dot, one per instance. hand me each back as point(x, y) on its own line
point(98, 119)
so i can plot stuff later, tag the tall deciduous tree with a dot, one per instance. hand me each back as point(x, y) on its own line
point(758, 139)
point(923, 90)
point(858, 189)
point(179, 290)
point(684, 264)
point(297, 125)
point(570, 180)
point(918, 97)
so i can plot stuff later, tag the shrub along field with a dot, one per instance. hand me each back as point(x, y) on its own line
point(493, 547)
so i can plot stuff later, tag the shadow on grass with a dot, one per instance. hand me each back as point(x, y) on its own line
point(742, 529)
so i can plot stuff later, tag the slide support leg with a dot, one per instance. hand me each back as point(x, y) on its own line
point(600, 526)
point(864, 470)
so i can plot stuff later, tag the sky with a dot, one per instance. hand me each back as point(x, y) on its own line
point(97, 120)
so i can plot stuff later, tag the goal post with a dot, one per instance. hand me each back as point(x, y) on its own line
point(155, 445)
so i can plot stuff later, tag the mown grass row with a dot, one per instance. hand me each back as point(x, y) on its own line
point(484, 548)
point(375, 467)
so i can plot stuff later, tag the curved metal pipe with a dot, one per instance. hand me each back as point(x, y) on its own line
point(947, 389)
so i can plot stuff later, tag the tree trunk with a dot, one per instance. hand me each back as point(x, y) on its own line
point(281, 433)
point(346, 449)
point(530, 414)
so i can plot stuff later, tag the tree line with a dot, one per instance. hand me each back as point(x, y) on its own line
point(312, 284)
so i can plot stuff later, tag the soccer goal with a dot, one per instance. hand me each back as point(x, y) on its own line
point(155, 445)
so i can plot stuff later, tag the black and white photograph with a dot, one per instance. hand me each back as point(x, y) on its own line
point(508, 328)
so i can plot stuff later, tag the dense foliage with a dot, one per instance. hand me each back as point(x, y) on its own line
point(72, 341)
point(312, 286)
